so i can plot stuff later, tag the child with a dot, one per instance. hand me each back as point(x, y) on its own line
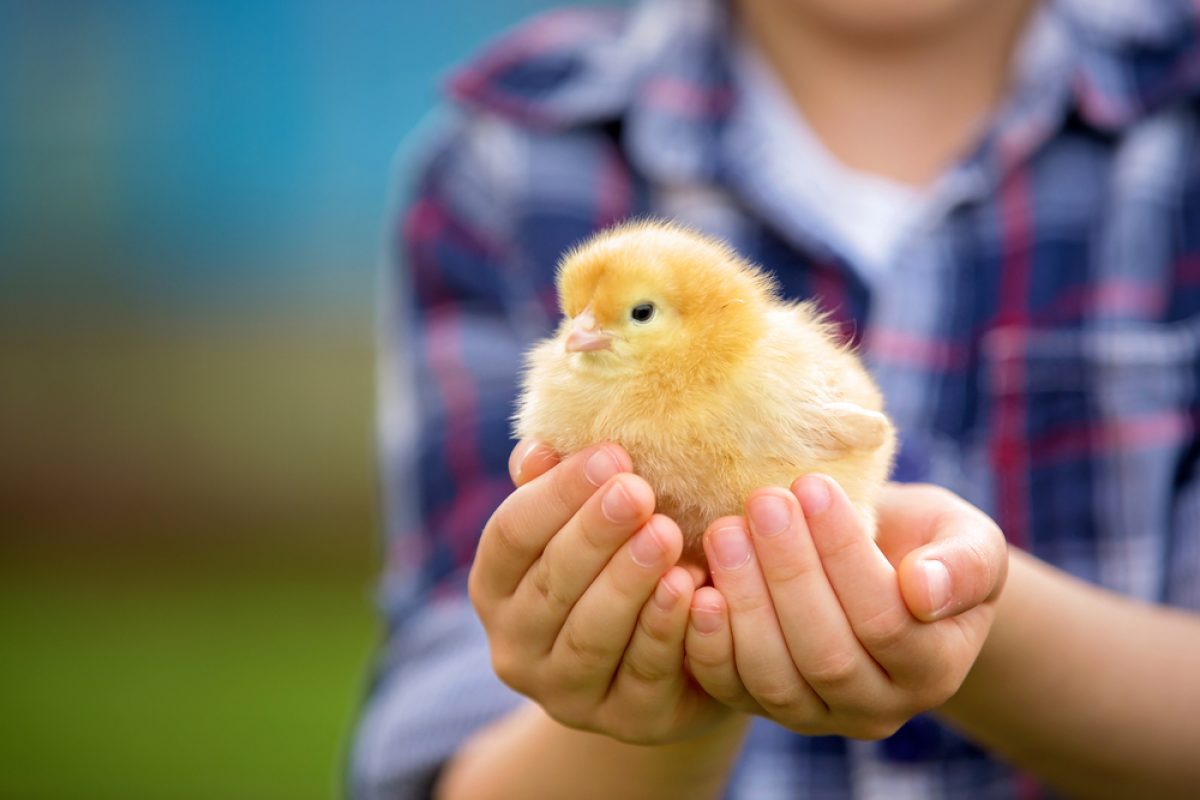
point(1001, 202)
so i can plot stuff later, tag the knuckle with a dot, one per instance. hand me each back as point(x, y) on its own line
point(584, 654)
point(842, 548)
point(978, 557)
point(560, 491)
point(591, 534)
point(705, 658)
point(646, 671)
point(836, 671)
point(630, 586)
point(791, 570)
point(546, 588)
point(504, 536)
point(730, 692)
point(719, 683)
point(990, 551)
point(748, 600)
point(885, 631)
point(777, 694)
point(654, 628)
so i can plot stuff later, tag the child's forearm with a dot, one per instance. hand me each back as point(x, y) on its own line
point(528, 754)
point(1090, 691)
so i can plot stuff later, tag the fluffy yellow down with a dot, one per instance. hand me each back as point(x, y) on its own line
point(725, 389)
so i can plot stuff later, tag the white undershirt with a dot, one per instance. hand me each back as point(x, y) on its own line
point(864, 217)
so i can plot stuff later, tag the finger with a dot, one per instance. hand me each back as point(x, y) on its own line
point(653, 662)
point(698, 572)
point(822, 644)
point(599, 627)
point(576, 555)
point(760, 652)
point(530, 459)
point(517, 533)
point(964, 565)
point(709, 648)
point(863, 579)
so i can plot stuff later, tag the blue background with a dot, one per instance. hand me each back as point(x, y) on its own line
point(199, 152)
point(191, 200)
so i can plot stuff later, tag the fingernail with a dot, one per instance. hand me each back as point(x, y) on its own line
point(664, 596)
point(645, 549)
point(731, 547)
point(600, 467)
point(813, 494)
point(937, 579)
point(770, 515)
point(526, 449)
point(706, 621)
point(617, 506)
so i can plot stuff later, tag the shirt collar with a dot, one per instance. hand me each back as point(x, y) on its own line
point(1134, 57)
point(663, 71)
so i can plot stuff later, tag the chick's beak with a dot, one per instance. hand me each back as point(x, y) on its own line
point(586, 335)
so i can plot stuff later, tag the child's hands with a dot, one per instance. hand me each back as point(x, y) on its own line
point(814, 626)
point(584, 612)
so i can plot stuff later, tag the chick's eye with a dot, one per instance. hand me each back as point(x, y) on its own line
point(642, 312)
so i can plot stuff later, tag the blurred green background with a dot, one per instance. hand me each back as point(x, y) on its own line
point(191, 197)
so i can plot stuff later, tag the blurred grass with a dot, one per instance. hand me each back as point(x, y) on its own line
point(176, 683)
point(186, 557)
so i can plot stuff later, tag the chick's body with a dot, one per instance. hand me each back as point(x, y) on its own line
point(678, 350)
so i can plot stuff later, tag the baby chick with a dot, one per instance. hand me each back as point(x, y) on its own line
point(684, 354)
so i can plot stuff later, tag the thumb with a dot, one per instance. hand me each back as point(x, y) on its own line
point(964, 565)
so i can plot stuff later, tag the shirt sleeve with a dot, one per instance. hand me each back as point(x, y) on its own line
point(450, 341)
point(1182, 556)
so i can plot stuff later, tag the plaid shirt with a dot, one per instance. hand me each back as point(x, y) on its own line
point(1038, 339)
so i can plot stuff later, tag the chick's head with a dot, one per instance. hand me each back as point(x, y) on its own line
point(647, 296)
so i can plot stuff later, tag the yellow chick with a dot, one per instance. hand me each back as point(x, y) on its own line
point(683, 353)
